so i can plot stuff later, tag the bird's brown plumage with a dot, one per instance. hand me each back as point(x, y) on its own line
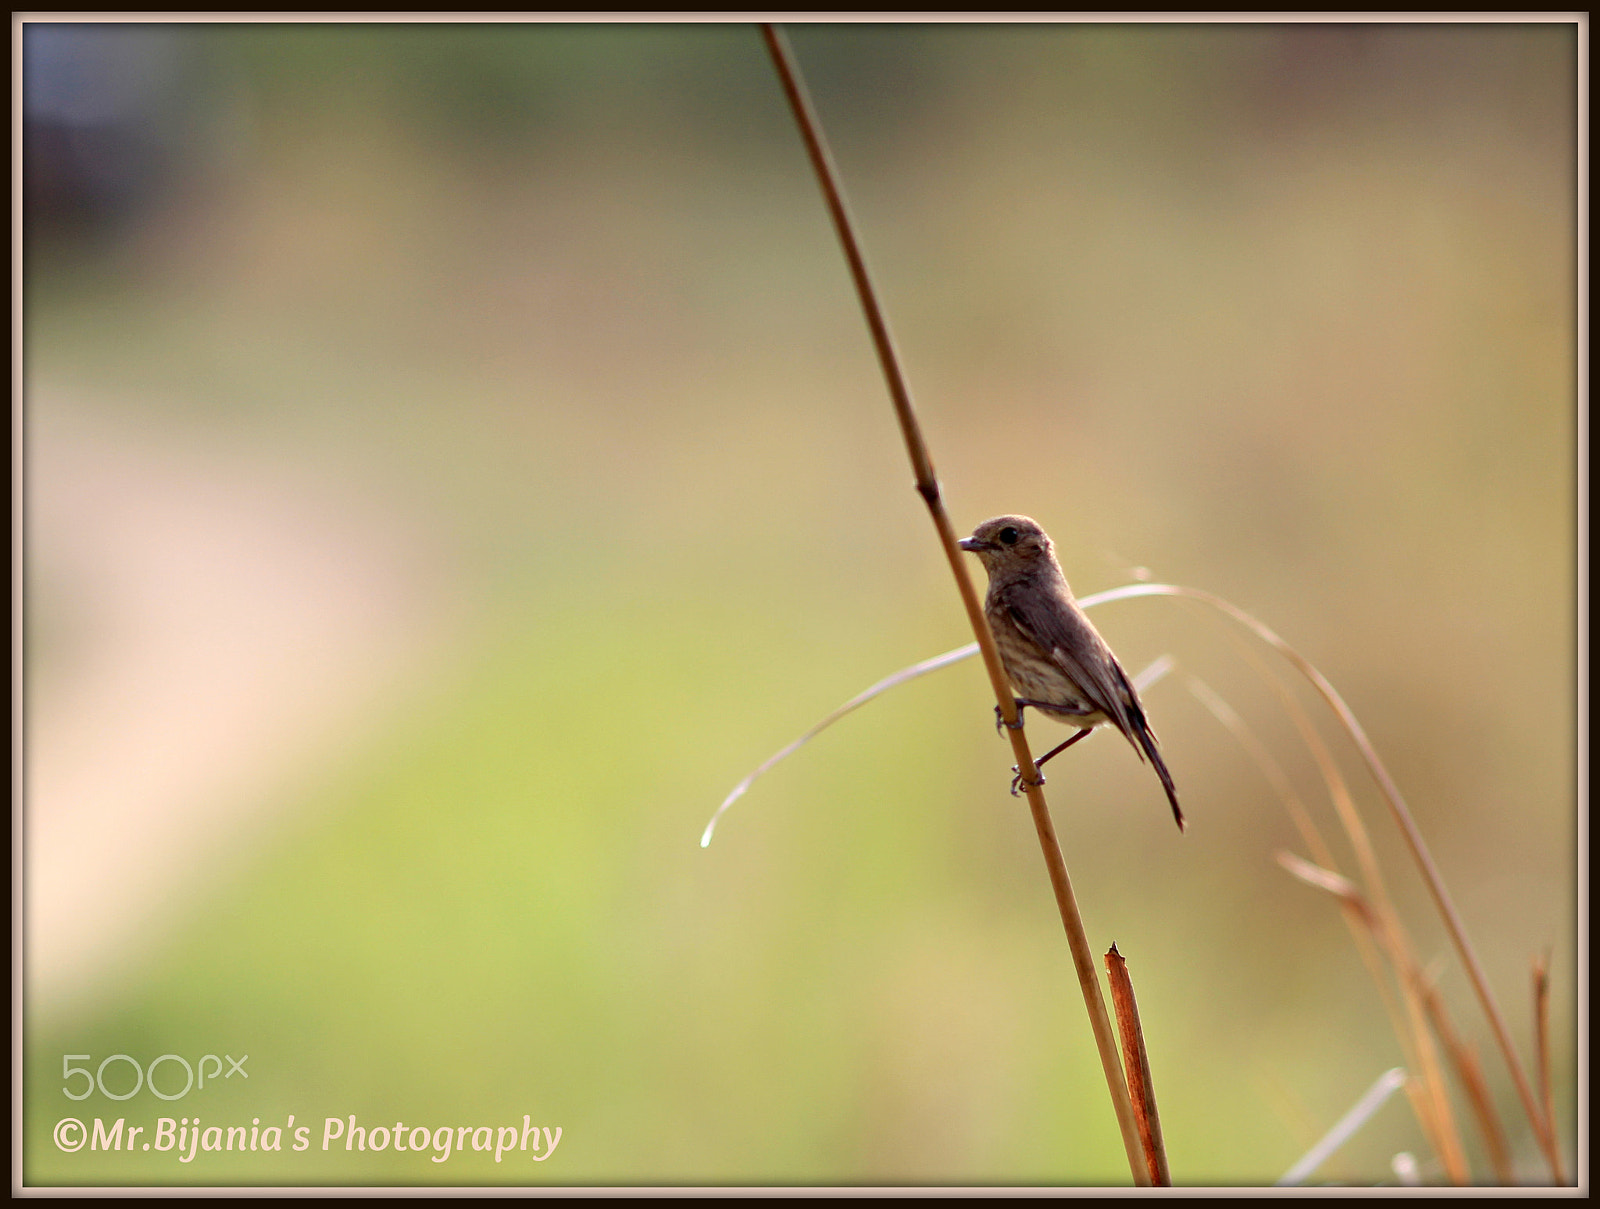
point(1052, 653)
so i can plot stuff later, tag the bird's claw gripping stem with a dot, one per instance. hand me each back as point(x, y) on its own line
point(999, 718)
point(1016, 781)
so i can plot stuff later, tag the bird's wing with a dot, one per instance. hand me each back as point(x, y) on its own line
point(1059, 627)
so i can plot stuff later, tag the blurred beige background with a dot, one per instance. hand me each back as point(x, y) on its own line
point(453, 456)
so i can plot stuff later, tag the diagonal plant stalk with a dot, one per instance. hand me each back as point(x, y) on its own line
point(927, 486)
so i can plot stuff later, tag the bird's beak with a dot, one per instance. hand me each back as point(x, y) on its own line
point(972, 545)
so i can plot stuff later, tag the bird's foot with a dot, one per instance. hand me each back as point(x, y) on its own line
point(999, 718)
point(1017, 782)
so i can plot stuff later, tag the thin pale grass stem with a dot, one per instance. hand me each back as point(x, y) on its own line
point(855, 703)
point(1360, 1113)
point(927, 485)
point(1543, 1126)
point(1142, 681)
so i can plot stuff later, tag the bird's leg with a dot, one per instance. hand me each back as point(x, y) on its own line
point(1038, 765)
point(1057, 750)
point(999, 718)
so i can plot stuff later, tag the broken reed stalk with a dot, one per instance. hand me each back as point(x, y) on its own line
point(1141, 1090)
point(927, 485)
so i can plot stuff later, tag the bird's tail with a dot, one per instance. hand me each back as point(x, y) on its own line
point(1147, 741)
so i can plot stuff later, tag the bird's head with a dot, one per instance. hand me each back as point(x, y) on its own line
point(1009, 542)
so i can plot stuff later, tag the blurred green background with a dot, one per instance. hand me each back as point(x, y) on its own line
point(453, 457)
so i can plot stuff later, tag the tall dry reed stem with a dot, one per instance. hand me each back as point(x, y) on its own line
point(927, 486)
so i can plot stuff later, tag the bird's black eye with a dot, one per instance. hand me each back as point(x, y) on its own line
point(1007, 536)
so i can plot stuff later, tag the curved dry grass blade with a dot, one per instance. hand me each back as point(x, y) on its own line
point(1374, 1098)
point(1150, 675)
point(856, 702)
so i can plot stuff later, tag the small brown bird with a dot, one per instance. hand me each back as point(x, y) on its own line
point(1054, 656)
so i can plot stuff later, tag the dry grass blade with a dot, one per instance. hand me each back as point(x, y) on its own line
point(856, 702)
point(1543, 1124)
point(1541, 1032)
point(1333, 883)
point(1378, 928)
point(1470, 1071)
point(1150, 675)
